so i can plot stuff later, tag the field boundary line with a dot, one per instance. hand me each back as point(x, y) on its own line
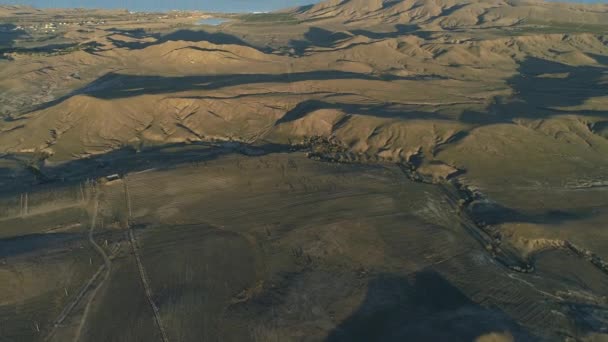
point(140, 266)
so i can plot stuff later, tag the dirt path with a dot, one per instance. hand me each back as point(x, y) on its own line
point(106, 258)
point(140, 267)
point(85, 289)
point(107, 265)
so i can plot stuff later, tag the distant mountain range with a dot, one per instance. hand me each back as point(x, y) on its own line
point(456, 13)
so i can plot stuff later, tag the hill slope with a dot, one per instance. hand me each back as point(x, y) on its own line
point(456, 13)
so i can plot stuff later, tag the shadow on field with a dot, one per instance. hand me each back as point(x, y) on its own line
point(427, 308)
point(5, 173)
point(495, 214)
point(9, 34)
point(590, 318)
point(599, 58)
point(579, 84)
point(16, 246)
point(600, 128)
point(541, 90)
point(56, 48)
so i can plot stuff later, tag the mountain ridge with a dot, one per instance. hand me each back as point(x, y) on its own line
point(455, 13)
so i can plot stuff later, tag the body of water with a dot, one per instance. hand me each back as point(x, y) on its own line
point(161, 5)
point(212, 21)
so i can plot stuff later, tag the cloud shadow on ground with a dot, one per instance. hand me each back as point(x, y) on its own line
point(426, 307)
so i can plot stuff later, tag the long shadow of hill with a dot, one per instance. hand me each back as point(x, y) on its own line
point(15, 246)
point(8, 35)
point(447, 12)
point(184, 35)
point(137, 33)
point(496, 214)
point(378, 110)
point(427, 308)
point(579, 84)
point(600, 128)
point(400, 30)
point(54, 48)
point(302, 9)
point(128, 159)
point(115, 86)
point(600, 59)
point(316, 36)
point(132, 85)
point(590, 318)
point(540, 88)
point(320, 37)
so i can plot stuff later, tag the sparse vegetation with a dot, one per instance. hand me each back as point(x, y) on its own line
point(277, 18)
point(328, 174)
point(535, 26)
point(48, 51)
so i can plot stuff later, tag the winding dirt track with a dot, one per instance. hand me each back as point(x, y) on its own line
point(107, 265)
point(83, 291)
